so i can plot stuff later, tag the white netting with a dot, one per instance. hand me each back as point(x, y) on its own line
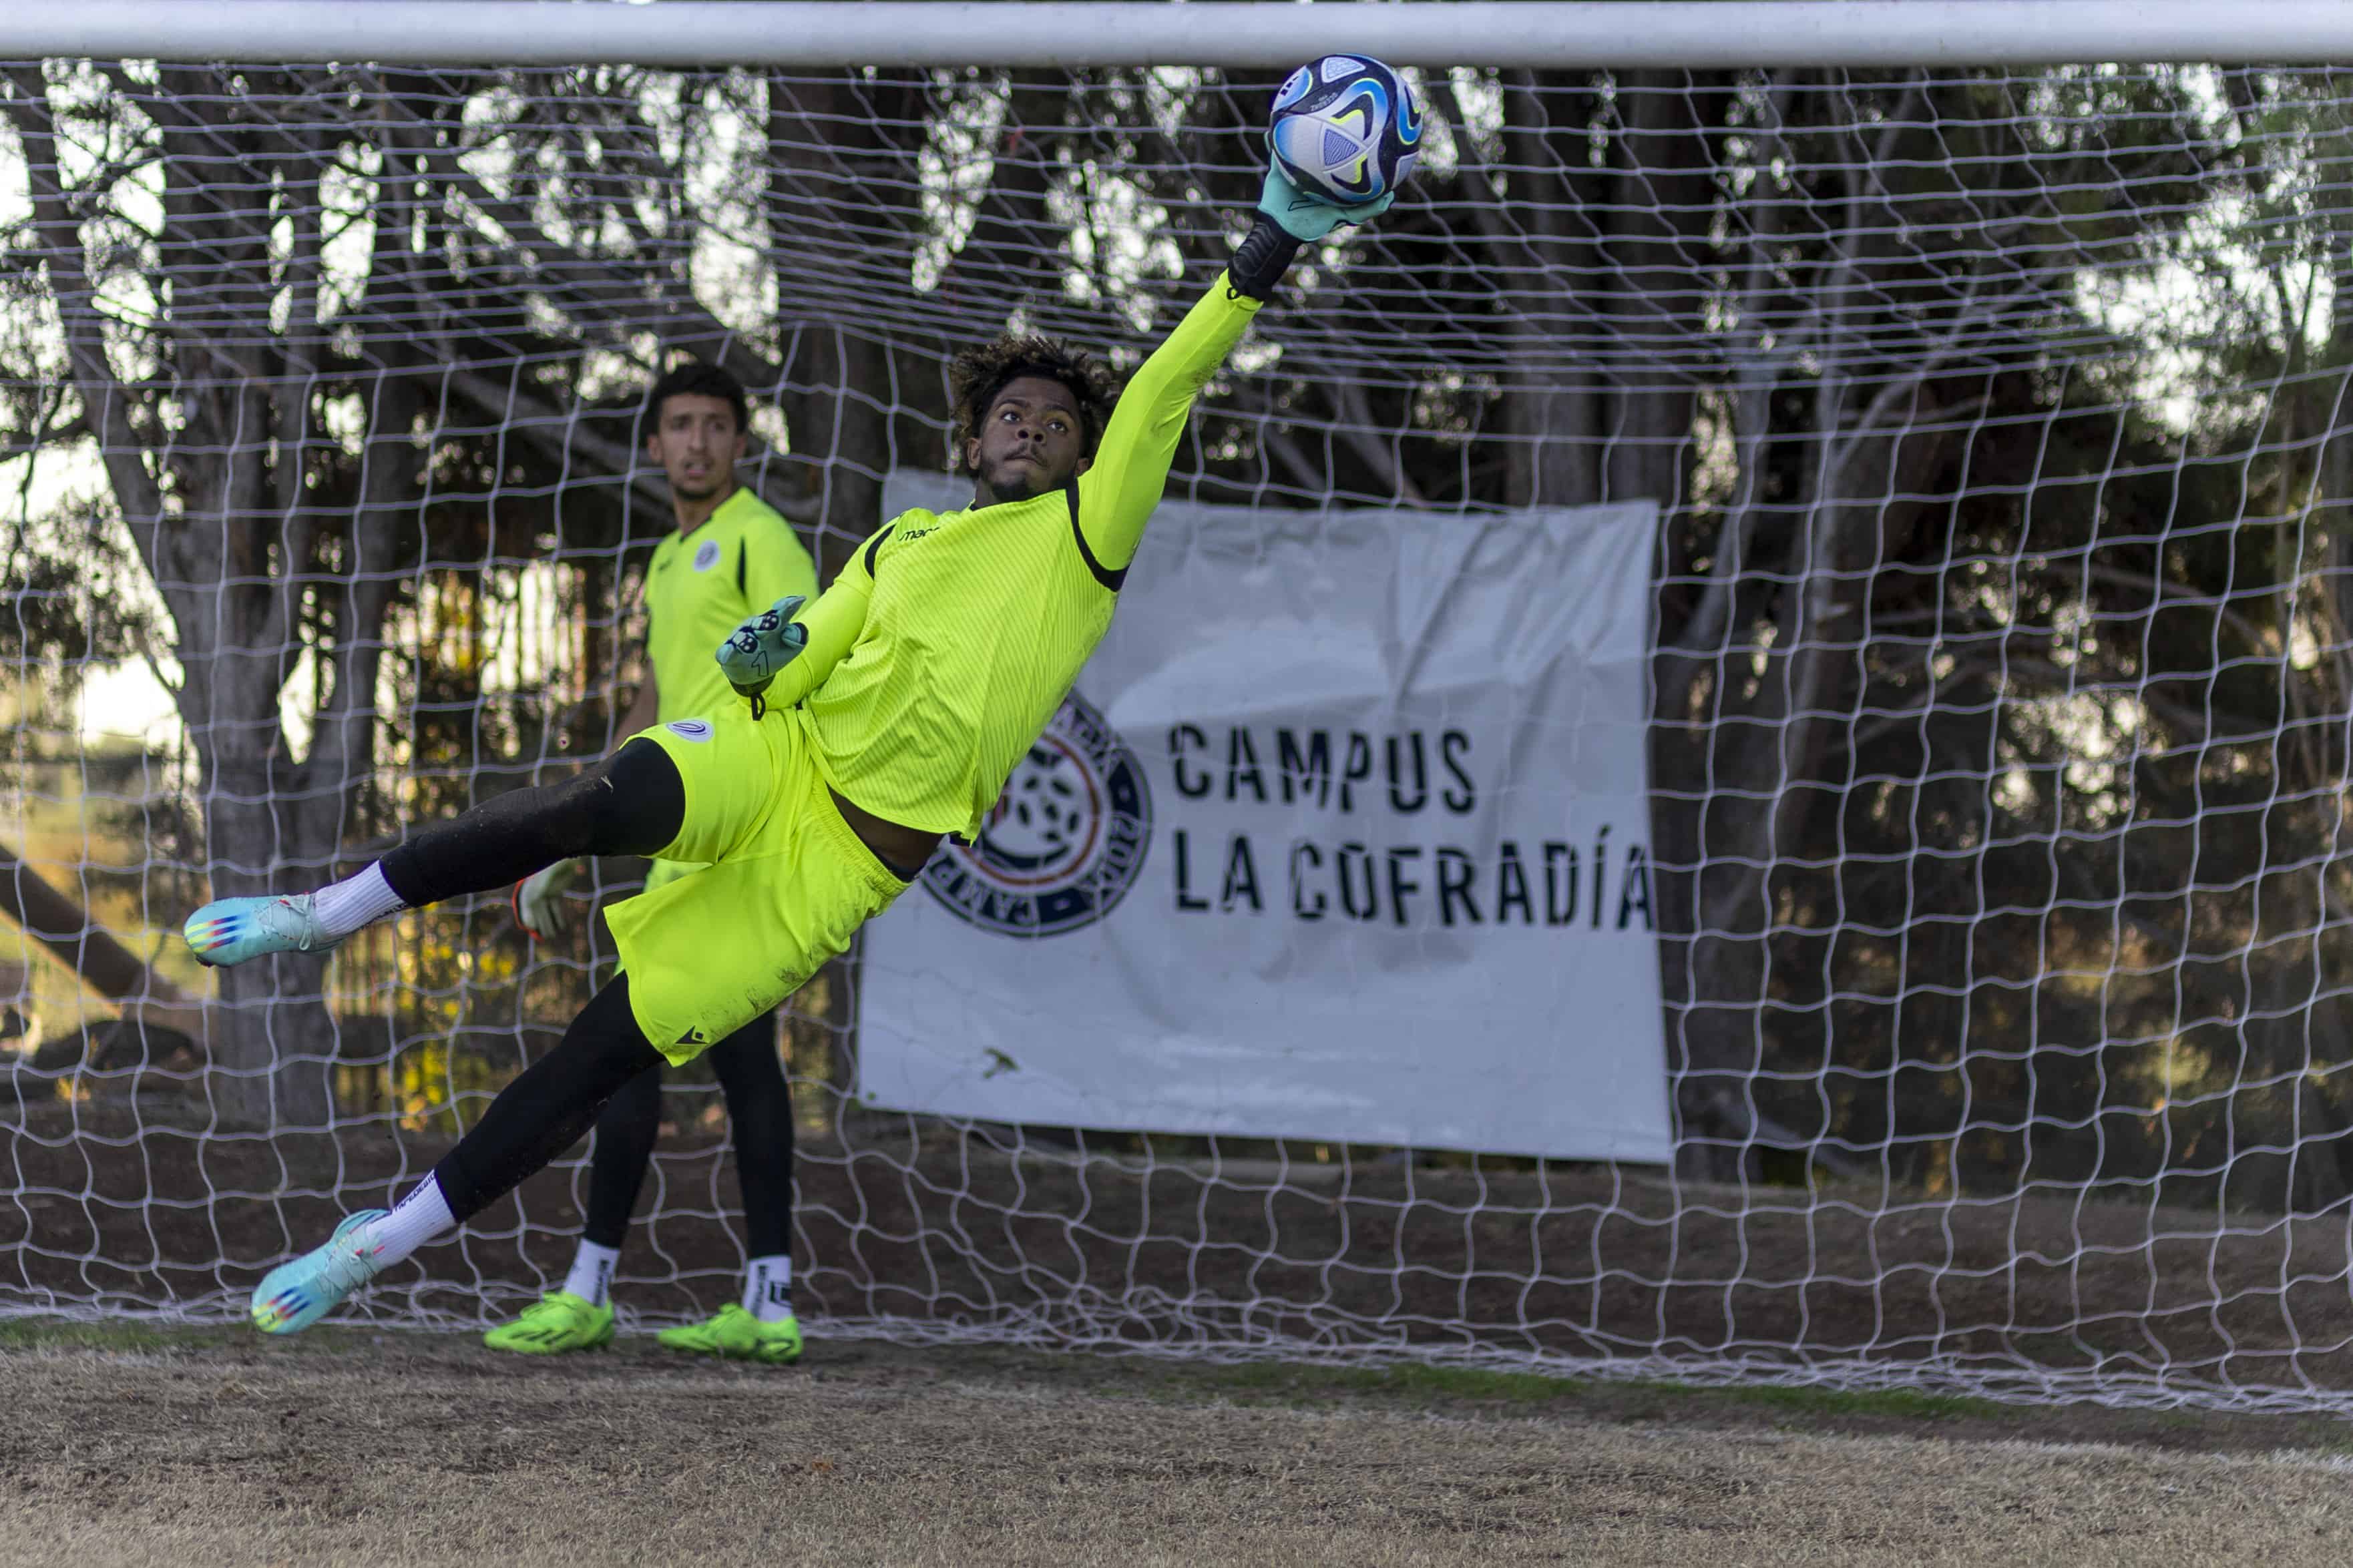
point(2001, 673)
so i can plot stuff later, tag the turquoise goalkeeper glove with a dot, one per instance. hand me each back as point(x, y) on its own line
point(1287, 218)
point(758, 649)
point(1306, 217)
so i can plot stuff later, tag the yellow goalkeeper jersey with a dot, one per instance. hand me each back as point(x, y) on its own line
point(699, 588)
point(944, 648)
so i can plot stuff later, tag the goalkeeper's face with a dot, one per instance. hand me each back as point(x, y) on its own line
point(1030, 442)
point(698, 444)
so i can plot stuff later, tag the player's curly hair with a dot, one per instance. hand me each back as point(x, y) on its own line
point(979, 375)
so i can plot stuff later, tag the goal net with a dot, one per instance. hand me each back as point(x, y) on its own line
point(2000, 675)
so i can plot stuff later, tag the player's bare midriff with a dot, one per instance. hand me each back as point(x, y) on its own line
point(893, 843)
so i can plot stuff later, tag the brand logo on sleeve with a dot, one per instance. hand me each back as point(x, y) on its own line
point(689, 729)
point(1065, 841)
point(707, 556)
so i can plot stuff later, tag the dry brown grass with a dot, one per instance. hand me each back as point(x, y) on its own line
point(352, 1448)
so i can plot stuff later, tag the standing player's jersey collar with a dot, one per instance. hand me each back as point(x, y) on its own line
point(704, 547)
point(741, 498)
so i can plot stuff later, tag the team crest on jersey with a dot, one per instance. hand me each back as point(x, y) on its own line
point(707, 556)
point(1066, 841)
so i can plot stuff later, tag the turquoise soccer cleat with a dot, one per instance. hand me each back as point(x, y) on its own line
point(294, 1296)
point(231, 930)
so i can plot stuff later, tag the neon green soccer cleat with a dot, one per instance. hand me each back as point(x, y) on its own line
point(556, 1322)
point(737, 1335)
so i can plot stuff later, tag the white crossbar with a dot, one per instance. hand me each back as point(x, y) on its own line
point(1699, 34)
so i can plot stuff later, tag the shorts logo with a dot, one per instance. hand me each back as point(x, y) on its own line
point(707, 556)
point(689, 729)
point(1065, 842)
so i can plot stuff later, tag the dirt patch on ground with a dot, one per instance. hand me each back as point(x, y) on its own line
point(916, 1221)
point(348, 1447)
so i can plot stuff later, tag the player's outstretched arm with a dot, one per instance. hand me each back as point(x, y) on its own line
point(1118, 493)
point(785, 661)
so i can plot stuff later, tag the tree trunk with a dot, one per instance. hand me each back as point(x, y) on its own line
point(1656, 290)
point(1552, 417)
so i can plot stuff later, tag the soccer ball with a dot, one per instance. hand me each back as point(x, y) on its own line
point(1346, 129)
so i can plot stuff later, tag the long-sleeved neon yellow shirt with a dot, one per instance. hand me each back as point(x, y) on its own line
point(943, 649)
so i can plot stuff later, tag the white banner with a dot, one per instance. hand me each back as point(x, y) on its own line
point(1343, 835)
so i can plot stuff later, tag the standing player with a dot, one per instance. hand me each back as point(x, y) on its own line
point(894, 712)
point(730, 556)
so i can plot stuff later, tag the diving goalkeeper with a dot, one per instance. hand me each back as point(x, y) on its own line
point(887, 716)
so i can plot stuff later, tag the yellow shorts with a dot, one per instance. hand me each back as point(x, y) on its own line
point(782, 885)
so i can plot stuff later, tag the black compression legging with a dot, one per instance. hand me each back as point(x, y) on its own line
point(545, 1109)
point(759, 1112)
point(632, 803)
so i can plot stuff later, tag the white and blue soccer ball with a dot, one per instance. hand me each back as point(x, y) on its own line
point(1346, 128)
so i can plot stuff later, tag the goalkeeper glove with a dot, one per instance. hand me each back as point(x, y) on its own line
point(761, 647)
point(539, 899)
point(1287, 218)
point(1306, 217)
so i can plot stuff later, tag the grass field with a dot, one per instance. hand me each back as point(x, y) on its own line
point(132, 1444)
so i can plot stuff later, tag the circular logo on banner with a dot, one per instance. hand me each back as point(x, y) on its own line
point(1065, 842)
point(689, 729)
point(707, 556)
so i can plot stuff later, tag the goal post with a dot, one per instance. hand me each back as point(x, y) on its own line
point(1970, 381)
point(1233, 34)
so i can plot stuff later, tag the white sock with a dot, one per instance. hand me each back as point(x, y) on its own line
point(768, 1289)
point(342, 908)
point(416, 1219)
point(592, 1271)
